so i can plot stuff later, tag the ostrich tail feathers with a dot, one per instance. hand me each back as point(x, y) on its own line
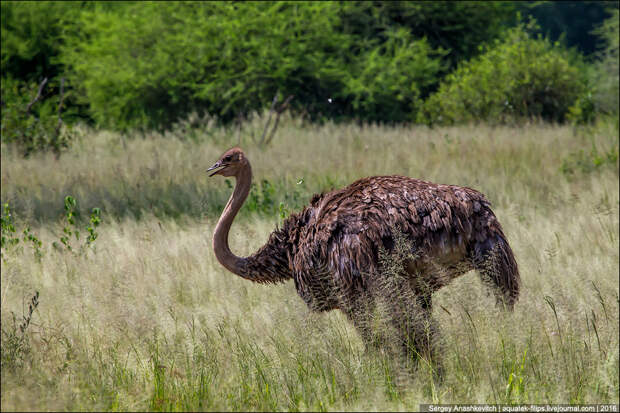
point(495, 261)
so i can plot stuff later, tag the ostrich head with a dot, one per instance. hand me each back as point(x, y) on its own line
point(230, 163)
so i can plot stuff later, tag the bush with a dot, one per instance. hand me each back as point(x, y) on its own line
point(31, 37)
point(170, 59)
point(457, 27)
point(32, 115)
point(389, 80)
point(146, 66)
point(227, 59)
point(517, 77)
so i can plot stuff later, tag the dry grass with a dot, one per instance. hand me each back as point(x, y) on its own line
point(147, 319)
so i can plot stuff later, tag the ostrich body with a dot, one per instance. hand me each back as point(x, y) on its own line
point(331, 249)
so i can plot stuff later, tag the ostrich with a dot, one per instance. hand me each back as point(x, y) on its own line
point(332, 249)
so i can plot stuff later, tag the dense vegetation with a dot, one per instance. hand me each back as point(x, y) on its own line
point(515, 77)
point(569, 22)
point(128, 65)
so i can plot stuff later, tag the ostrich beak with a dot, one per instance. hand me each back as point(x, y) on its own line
point(217, 165)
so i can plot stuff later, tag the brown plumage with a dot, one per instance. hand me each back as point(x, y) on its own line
point(331, 249)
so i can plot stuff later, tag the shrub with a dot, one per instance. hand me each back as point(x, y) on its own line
point(31, 37)
point(391, 77)
point(170, 59)
point(146, 66)
point(516, 77)
point(230, 59)
point(32, 115)
point(457, 27)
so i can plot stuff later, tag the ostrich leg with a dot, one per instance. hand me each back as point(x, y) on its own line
point(360, 308)
point(410, 314)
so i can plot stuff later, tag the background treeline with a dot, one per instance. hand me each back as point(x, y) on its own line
point(135, 65)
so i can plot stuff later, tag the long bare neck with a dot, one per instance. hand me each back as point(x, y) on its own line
point(268, 264)
point(222, 251)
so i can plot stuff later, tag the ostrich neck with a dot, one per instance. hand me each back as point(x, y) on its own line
point(222, 251)
point(270, 264)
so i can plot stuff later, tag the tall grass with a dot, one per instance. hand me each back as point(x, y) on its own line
point(146, 318)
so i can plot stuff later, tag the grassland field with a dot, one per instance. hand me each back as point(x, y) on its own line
point(144, 318)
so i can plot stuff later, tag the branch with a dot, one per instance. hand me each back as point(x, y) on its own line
point(37, 97)
point(284, 105)
point(281, 109)
point(271, 110)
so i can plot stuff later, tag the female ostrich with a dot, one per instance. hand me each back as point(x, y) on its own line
point(331, 249)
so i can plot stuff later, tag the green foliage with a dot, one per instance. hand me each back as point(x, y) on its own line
point(369, 59)
point(8, 229)
point(71, 229)
point(32, 36)
point(32, 33)
point(457, 27)
point(138, 65)
point(263, 198)
point(228, 59)
point(94, 222)
point(517, 77)
point(10, 239)
point(583, 110)
point(36, 243)
point(33, 120)
point(392, 78)
point(9, 235)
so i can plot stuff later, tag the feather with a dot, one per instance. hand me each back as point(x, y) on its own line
point(331, 247)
